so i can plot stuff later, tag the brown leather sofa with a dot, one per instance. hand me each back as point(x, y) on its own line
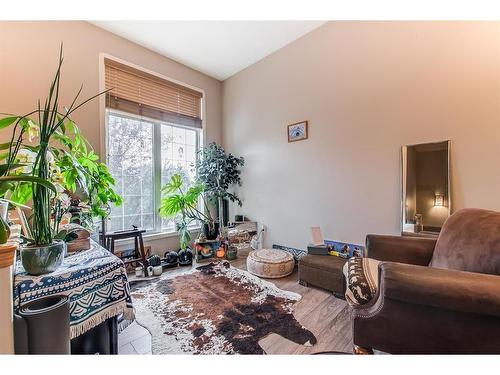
point(435, 296)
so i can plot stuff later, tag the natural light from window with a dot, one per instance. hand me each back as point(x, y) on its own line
point(143, 154)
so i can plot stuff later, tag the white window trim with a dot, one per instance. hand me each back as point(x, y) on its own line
point(157, 167)
point(103, 124)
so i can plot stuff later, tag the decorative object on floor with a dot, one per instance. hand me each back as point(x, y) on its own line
point(270, 263)
point(221, 252)
point(297, 131)
point(154, 260)
point(324, 272)
point(139, 272)
point(257, 240)
point(171, 259)
point(215, 309)
point(94, 280)
point(218, 171)
point(206, 251)
point(157, 270)
point(232, 252)
point(185, 257)
point(296, 253)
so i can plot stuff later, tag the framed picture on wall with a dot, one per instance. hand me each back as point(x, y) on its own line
point(297, 131)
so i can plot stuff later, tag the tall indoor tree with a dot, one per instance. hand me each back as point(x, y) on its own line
point(218, 171)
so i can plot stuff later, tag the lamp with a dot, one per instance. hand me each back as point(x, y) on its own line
point(439, 200)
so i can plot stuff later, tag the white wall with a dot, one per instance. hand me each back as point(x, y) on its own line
point(366, 88)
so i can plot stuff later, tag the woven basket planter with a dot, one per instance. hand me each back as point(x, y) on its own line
point(7, 254)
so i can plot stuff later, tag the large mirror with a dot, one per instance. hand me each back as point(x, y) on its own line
point(425, 187)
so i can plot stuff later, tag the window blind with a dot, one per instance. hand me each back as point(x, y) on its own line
point(140, 93)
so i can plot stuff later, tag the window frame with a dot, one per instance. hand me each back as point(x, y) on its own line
point(157, 233)
point(157, 163)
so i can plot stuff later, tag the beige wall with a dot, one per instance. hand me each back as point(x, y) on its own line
point(366, 88)
point(28, 59)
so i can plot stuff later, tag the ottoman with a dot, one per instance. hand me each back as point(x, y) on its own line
point(270, 263)
point(323, 271)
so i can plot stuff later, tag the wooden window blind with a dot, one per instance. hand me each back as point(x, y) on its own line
point(140, 93)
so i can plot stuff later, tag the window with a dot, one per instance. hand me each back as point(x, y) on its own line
point(146, 145)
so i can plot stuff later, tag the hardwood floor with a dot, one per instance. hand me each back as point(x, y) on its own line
point(318, 310)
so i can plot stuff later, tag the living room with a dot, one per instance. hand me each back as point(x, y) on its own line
point(250, 186)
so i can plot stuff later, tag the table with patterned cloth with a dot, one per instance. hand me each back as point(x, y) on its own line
point(94, 280)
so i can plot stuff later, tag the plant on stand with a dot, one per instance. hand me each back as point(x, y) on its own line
point(45, 247)
point(218, 171)
point(182, 205)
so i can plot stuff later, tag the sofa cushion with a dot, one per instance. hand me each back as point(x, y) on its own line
point(362, 280)
point(469, 241)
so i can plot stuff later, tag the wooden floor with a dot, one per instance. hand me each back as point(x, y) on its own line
point(318, 310)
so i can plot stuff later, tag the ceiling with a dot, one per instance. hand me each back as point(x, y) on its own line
point(216, 48)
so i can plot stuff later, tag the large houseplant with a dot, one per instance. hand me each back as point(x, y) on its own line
point(45, 247)
point(218, 171)
point(181, 204)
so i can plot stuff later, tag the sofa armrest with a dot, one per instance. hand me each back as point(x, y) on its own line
point(446, 289)
point(411, 250)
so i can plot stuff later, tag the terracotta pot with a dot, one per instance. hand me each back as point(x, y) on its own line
point(7, 254)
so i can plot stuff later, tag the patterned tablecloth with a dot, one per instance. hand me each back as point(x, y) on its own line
point(94, 280)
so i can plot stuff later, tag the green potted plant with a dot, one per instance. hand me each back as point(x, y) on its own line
point(218, 171)
point(181, 204)
point(45, 247)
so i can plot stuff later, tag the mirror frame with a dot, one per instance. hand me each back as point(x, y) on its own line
point(403, 169)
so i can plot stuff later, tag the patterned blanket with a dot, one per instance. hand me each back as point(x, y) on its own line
point(94, 280)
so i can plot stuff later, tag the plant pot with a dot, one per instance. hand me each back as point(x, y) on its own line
point(39, 260)
point(211, 232)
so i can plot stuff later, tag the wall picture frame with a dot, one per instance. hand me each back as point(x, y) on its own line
point(297, 131)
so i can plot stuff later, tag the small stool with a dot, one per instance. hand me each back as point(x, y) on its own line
point(270, 263)
point(323, 271)
point(139, 256)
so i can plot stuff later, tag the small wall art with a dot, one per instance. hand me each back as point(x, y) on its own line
point(297, 131)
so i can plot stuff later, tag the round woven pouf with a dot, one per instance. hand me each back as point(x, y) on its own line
point(270, 263)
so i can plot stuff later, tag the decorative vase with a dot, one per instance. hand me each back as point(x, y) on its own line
point(221, 253)
point(211, 232)
point(232, 253)
point(39, 260)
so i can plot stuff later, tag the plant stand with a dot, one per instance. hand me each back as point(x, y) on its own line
point(205, 250)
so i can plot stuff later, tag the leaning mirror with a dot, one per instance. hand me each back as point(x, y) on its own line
point(425, 188)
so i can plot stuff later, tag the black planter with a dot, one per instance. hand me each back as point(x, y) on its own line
point(211, 233)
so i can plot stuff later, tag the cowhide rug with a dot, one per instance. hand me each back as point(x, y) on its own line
point(215, 309)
